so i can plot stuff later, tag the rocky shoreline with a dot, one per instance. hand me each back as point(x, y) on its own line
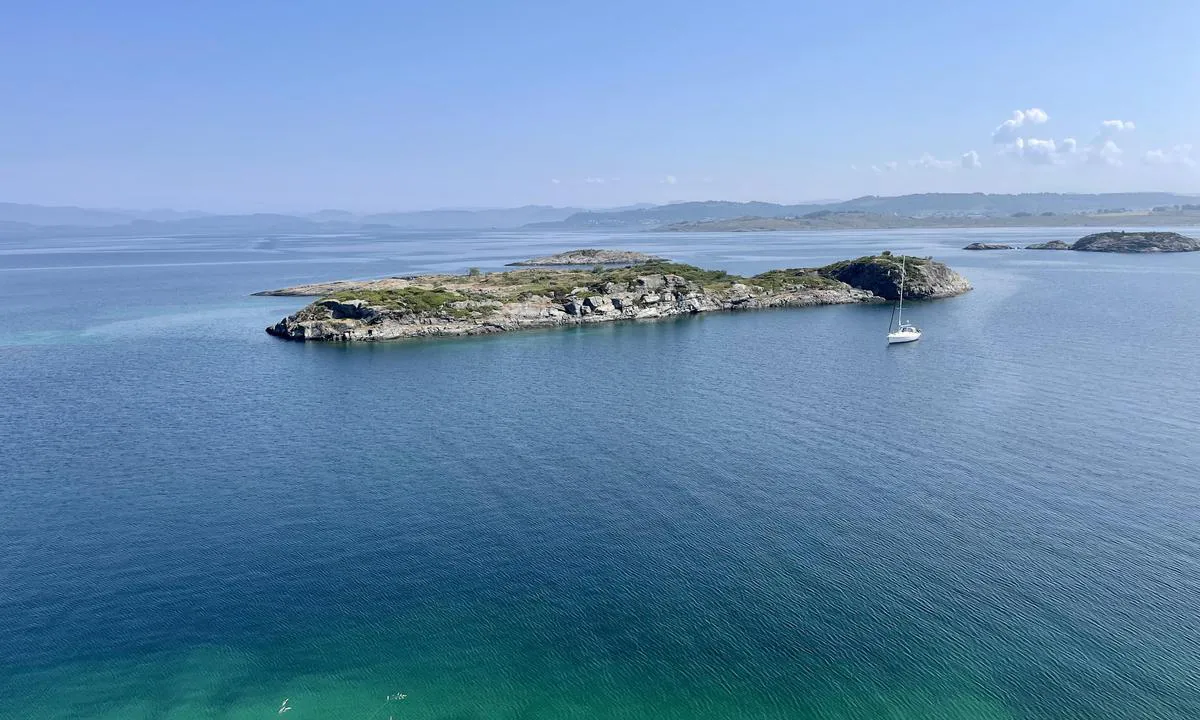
point(455, 305)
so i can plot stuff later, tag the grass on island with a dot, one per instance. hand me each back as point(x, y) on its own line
point(574, 283)
point(410, 299)
point(560, 284)
point(708, 279)
point(893, 264)
point(793, 277)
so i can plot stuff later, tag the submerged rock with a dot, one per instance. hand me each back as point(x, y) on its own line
point(1136, 242)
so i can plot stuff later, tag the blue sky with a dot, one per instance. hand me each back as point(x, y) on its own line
point(236, 106)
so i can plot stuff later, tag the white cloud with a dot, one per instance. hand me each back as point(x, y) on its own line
point(1009, 131)
point(555, 181)
point(854, 168)
point(885, 168)
point(1103, 150)
point(1106, 153)
point(594, 180)
point(1040, 152)
point(930, 162)
point(890, 165)
point(1108, 128)
point(669, 180)
point(1037, 151)
point(970, 160)
point(1178, 155)
point(1016, 148)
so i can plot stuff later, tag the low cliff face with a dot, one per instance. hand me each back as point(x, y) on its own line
point(880, 275)
point(1136, 242)
point(444, 305)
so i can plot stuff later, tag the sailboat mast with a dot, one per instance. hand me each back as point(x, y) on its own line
point(900, 309)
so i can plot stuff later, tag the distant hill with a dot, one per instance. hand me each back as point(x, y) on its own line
point(332, 216)
point(446, 219)
point(88, 217)
point(669, 214)
point(924, 210)
point(985, 205)
point(257, 222)
point(262, 223)
point(962, 205)
point(49, 215)
point(42, 221)
point(471, 219)
point(857, 220)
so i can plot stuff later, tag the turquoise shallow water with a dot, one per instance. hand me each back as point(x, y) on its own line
point(765, 515)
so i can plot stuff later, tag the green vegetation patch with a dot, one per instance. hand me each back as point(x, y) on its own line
point(535, 277)
point(794, 277)
point(559, 283)
point(410, 299)
point(691, 273)
point(884, 260)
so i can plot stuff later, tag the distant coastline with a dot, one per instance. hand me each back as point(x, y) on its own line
point(864, 221)
point(926, 210)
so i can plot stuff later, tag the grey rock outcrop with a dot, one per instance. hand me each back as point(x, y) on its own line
point(1136, 242)
point(988, 246)
point(880, 275)
point(347, 309)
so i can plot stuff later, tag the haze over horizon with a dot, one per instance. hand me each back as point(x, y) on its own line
point(375, 107)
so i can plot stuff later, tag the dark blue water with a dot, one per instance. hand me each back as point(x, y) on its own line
point(762, 515)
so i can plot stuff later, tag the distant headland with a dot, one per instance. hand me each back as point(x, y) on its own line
point(484, 303)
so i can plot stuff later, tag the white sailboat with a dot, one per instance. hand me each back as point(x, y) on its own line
point(904, 332)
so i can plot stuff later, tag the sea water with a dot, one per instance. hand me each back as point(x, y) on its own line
point(755, 515)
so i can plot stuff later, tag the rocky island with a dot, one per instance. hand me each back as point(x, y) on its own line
point(1119, 241)
point(589, 256)
point(988, 246)
point(1052, 245)
point(478, 304)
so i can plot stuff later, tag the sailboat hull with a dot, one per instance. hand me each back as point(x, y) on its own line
point(905, 332)
point(903, 337)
